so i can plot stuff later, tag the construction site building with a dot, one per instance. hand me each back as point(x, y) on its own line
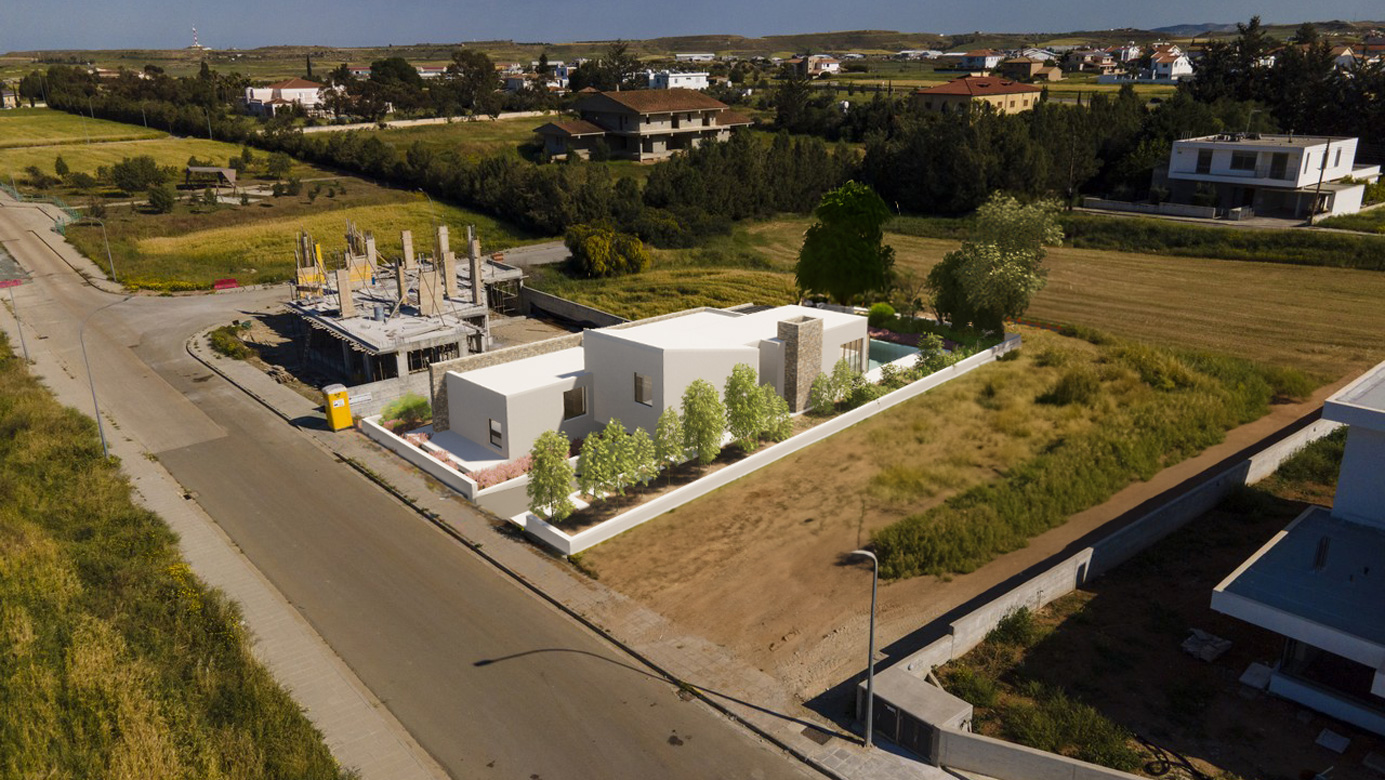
point(377, 324)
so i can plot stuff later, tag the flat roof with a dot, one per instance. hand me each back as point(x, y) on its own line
point(1360, 403)
point(1346, 594)
point(530, 372)
point(1278, 140)
point(721, 329)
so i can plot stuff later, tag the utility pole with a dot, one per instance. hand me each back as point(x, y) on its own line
point(1322, 171)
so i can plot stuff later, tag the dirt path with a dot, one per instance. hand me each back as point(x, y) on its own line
point(797, 610)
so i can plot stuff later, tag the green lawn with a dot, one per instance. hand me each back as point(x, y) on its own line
point(45, 127)
point(1372, 221)
point(166, 151)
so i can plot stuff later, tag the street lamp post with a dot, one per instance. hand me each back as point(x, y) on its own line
point(109, 260)
point(82, 340)
point(870, 658)
point(432, 207)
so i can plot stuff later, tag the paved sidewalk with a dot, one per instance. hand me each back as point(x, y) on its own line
point(747, 694)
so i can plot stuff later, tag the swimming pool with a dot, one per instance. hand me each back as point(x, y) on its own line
point(882, 352)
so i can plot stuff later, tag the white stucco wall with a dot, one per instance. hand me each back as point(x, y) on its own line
point(834, 336)
point(471, 407)
point(682, 366)
point(613, 363)
point(1361, 485)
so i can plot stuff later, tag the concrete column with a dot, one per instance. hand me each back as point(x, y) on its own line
point(408, 238)
point(449, 275)
point(347, 302)
point(371, 257)
point(441, 239)
point(401, 362)
point(802, 337)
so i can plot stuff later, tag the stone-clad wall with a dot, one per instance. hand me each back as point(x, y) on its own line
point(802, 337)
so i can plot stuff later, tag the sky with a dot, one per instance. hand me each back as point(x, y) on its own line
point(165, 24)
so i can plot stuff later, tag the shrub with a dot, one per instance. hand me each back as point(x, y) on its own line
point(161, 199)
point(1058, 724)
point(863, 393)
point(1078, 385)
point(1006, 357)
point(880, 313)
point(1018, 628)
point(1052, 357)
point(225, 342)
point(597, 251)
point(971, 686)
point(822, 399)
point(504, 472)
point(409, 411)
point(778, 419)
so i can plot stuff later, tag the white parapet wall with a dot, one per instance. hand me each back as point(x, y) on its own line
point(435, 468)
point(568, 544)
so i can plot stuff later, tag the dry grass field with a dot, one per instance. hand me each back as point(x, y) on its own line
point(44, 127)
point(468, 138)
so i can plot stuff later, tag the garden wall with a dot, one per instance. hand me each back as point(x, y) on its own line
point(531, 301)
point(1171, 209)
point(1005, 761)
point(431, 465)
point(568, 545)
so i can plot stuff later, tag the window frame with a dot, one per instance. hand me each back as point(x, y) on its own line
point(1239, 157)
point(1204, 161)
point(583, 395)
point(497, 432)
point(644, 386)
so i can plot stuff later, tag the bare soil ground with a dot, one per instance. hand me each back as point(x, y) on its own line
point(759, 566)
point(1116, 645)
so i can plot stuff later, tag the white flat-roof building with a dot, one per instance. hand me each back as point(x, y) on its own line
point(1276, 175)
point(672, 79)
point(634, 372)
point(1321, 582)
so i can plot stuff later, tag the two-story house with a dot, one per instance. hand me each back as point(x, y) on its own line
point(645, 124)
point(981, 60)
point(265, 101)
point(1275, 175)
point(959, 95)
point(672, 79)
point(1171, 66)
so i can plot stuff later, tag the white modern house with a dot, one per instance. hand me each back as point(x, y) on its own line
point(1170, 66)
point(265, 101)
point(672, 79)
point(1275, 175)
point(981, 59)
point(1320, 583)
point(694, 56)
point(633, 373)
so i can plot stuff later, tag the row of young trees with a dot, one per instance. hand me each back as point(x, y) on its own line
point(613, 460)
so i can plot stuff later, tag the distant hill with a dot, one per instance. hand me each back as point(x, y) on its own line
point(1189, 30)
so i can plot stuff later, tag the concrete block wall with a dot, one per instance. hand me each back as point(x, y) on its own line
point(1007, 761)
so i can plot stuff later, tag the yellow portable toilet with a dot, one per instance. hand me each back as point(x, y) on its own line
point(338, 407)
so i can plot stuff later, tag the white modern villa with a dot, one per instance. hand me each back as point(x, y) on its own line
point(1320, 583)
point(634, 372)
point(1274, 175)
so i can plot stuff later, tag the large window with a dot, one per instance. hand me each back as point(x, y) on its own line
point(497, 433)
point(644, 390)
point(853, 352)
point(574, 403)
point(1279, 165)
point(1243, 161)
point(1204, 160)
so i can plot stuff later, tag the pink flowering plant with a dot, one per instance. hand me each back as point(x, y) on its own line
point(503, 473)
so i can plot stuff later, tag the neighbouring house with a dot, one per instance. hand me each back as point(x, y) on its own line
point(1043, 55)
point(268, 100)
point(672, 79)
point(817, 65)
point(1127, 53)
point(646, 124)
point(694, 56)
point(634, 372)
point(959, 95)
point(1171, 66)
point(1291, 176)
point(1343, 57)
point(1029, 69)
point(981, 59)
point(9, 98)
point(1089, 61)
point(1320, 583)
point(359, 71)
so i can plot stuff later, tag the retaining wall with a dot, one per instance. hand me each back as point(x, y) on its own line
point(1007, 761)
point(569, 544)
point(531, 301)
point(1169, 209)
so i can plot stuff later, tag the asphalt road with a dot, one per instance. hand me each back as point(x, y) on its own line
point(489, 679)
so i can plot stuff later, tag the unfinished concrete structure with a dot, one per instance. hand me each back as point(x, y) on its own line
point(377, 325)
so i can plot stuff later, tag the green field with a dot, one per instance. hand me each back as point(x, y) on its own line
point(118, 661)
point(468, 138)
point(1372, 221)
point(1271, 312)
point(42, 127)
point(86, 158)
point(191, 248)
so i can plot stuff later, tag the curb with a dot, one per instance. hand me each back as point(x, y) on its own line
point(476, 548)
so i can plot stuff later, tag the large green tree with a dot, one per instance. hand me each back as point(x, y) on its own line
point(997, 271)
point(745, 406)
point(473, 83)
point(844, 254)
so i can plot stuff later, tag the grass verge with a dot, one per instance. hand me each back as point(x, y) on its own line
point(119, 662)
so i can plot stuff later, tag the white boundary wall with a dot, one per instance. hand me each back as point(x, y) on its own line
point(582, 540)
point(431, 465)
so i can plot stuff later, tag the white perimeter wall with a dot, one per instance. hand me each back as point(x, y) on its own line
point(569, 544)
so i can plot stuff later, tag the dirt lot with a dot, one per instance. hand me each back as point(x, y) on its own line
point(758, 566)
point(1113, 646)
